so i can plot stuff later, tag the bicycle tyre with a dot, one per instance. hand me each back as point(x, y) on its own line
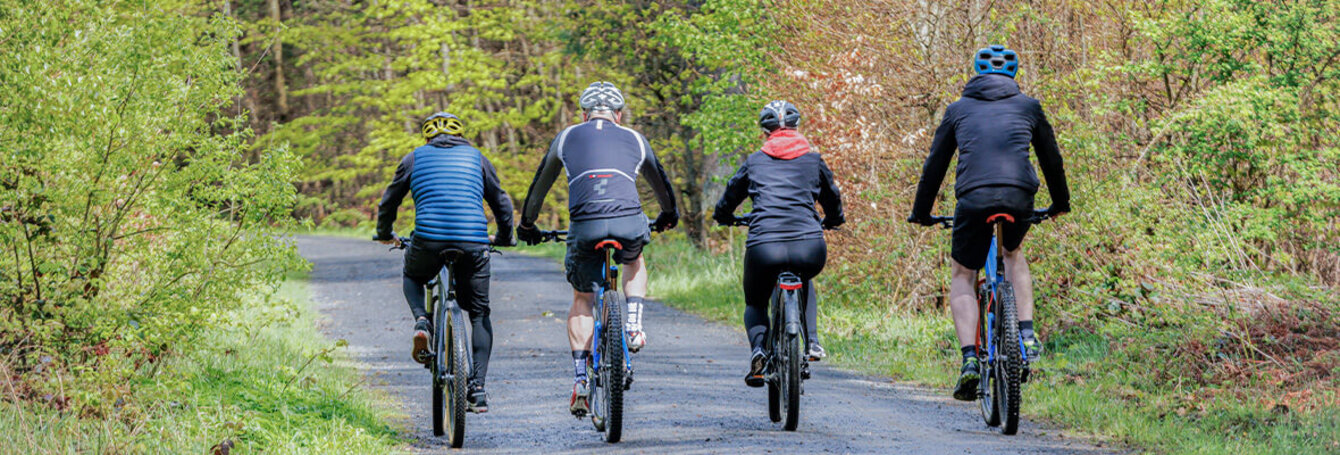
point(792, 355)
point(770, 346)
point(1011, 359)
point(440, 400)
point(612, 368)
point(791, 382)
point(456, 386)
point(986, 397)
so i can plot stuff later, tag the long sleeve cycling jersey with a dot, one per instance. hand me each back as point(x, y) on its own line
point(449, 180)
point(992, 126)
point(602, 161)
point(784, 180)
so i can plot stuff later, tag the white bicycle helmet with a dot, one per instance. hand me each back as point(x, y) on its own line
point(601, 96)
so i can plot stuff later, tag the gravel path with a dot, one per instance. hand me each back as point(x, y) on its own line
point(689, 396)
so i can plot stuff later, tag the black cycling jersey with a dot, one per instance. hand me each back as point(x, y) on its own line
point(602, 161)
point(991, 126)
point(784, 180)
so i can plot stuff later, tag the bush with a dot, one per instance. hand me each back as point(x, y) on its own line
point(132, 209)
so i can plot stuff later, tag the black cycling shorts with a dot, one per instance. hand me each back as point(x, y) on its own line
point(972, 236)
point(583, 262)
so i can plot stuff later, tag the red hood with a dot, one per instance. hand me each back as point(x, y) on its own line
point(785, 144)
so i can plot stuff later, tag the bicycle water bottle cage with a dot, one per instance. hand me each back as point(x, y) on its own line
point(609, 243)
point(1005, 216)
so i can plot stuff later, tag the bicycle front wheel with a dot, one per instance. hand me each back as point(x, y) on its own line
point(613, 374)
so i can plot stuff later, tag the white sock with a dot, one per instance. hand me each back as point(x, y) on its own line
point(634, 323)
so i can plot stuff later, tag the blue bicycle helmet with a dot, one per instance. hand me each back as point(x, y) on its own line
point(996, 59)
point(778, 114)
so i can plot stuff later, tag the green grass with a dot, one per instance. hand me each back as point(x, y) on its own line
point(266, 380)
point(1088, 385)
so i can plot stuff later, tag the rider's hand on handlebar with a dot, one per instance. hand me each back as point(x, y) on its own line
point(529, 234)
point(666, 220)
point(391, 239)
point(503, 238)
point(832, 223)
point(924, 220)
point(1056, 211)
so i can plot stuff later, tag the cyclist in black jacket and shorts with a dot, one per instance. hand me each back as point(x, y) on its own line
point(783, 179)
point(991, 126)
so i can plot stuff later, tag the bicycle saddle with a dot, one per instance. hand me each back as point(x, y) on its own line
point(451, 254)
point(609, 243)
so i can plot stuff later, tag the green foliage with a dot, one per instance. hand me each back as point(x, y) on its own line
point(730, 41)
point(132, 210)
point(380, 68)
point(267, 381)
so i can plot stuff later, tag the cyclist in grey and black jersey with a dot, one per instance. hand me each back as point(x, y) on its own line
point(602, 160)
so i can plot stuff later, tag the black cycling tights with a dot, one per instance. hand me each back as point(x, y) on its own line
point(762, 264)
point(423, 261)
point(481, 329)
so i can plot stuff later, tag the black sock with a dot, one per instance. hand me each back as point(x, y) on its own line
point(968, 351)
point(579, 363)
point(1026, 329)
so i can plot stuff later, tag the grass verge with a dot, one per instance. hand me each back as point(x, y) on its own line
point(265, 380)
point(1108, 380)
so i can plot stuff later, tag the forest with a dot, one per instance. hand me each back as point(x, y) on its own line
point(155, 153)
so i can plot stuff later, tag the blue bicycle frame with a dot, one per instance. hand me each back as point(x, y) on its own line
point(607, 273)
point(995, 276)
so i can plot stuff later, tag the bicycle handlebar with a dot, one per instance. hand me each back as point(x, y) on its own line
point(553, 236)
point(1039, 215)
point(558, 236)
point(405, 242)
point(748, 217)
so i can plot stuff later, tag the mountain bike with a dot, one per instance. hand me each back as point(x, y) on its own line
point(1006, 364)
point(788, 365)
point(449, 359)
point(609, 368)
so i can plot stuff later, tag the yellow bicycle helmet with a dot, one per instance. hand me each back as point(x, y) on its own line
point(441, 123)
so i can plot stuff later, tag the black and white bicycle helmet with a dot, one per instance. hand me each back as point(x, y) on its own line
point(601, 96)
point(778, 114)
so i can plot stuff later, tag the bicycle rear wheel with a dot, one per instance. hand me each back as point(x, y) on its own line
point(440, 366)
point(456, 384)
point(1011, 363)
point(770, 345)
point(790, 358)
point(986, 395)
point(790, 381)
point(611, 378)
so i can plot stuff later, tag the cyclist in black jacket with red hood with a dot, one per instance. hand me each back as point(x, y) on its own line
point(783, 180)
point(991, 127)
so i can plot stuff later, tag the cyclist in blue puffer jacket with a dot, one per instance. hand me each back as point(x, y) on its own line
point(449, 180)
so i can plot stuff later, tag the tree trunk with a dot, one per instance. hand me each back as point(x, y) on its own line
point(692, 215)
point(246, 99)
point(278, 50)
